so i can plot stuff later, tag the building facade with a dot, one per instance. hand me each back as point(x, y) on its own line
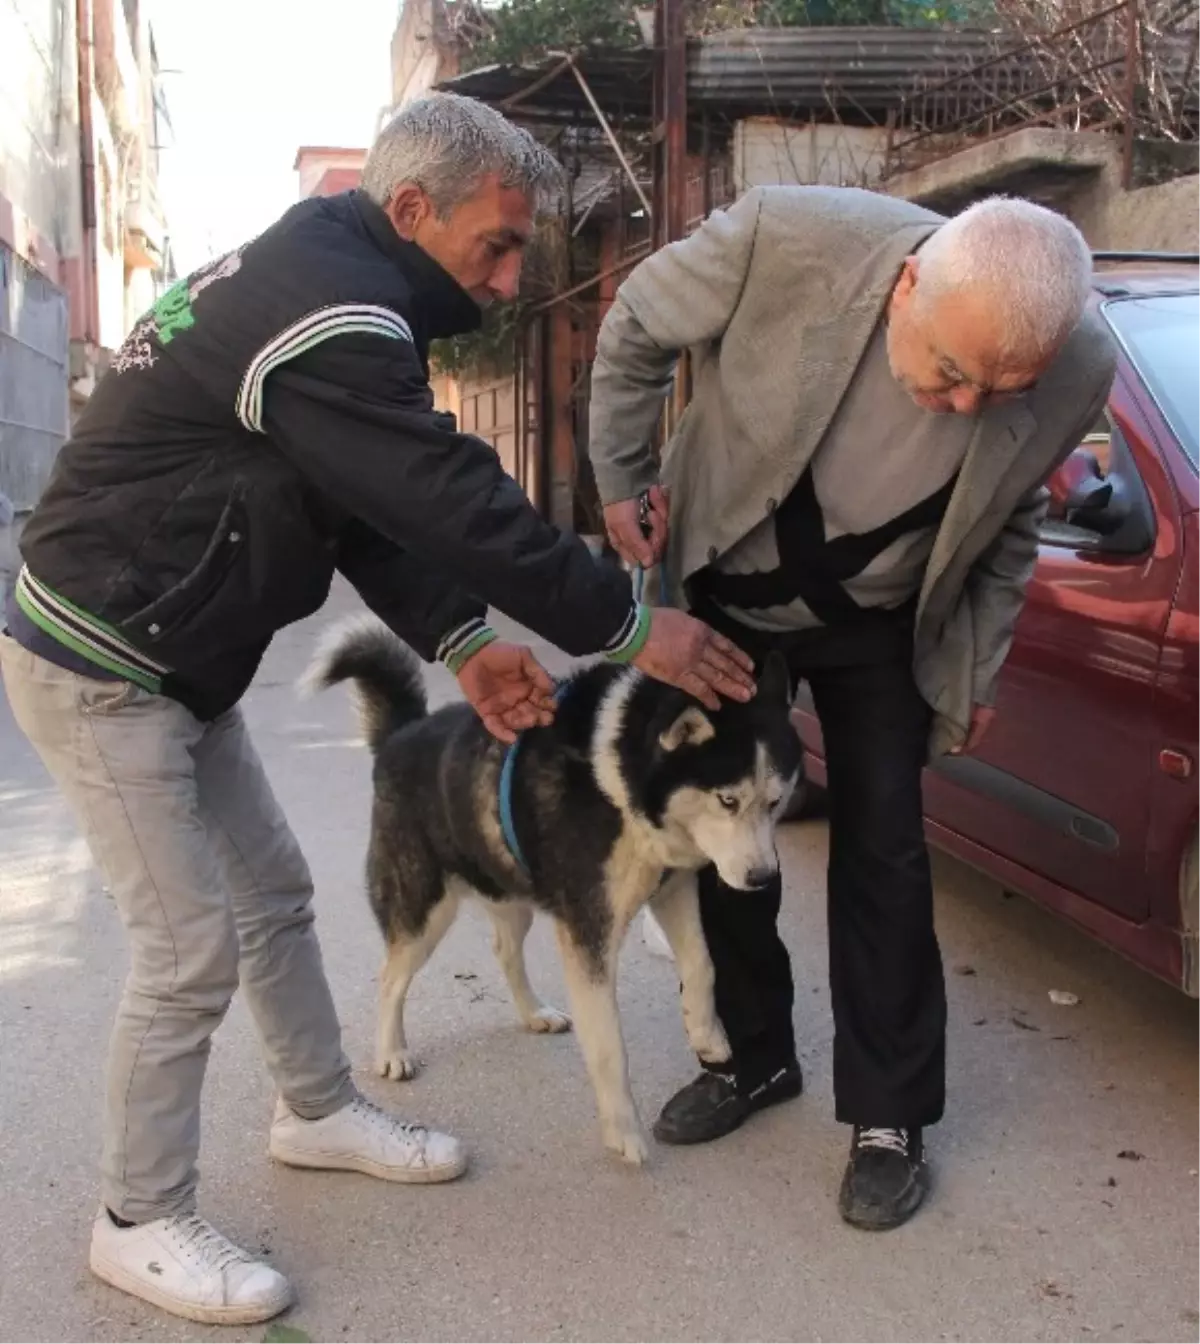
point(84, 248)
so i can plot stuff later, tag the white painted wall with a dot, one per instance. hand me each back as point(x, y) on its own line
point(39, 120)
point(769, 152)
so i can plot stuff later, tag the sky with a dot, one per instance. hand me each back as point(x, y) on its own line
point(254, 83)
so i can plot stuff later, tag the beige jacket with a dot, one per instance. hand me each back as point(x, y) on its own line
point(777, 298)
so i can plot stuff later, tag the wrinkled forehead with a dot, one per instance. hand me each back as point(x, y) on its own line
point(969, 328)
point(497, 208)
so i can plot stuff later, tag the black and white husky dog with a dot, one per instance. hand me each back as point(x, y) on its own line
point(632, 790)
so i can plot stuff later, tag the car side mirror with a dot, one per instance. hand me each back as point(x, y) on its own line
point(1111, 504)
point(1087, 497)
point(1090, 496)
point(1102, 507)
point(1075, 479)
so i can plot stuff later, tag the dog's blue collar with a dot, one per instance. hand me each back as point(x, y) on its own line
point(507, 825)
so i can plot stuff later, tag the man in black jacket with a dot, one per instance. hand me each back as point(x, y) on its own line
point(267, 423)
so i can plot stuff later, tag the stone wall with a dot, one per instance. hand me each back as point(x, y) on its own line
point(1080, 174)
point(1161, 218)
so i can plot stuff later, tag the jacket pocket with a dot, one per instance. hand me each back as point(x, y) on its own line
point(185, 599)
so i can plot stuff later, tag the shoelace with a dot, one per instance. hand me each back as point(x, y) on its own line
point(207, 1245)
point(414, 1134)
point(890, 1140)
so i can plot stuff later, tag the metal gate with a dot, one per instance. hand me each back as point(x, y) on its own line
point(34, 396)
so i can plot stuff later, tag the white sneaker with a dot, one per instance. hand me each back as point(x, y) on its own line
point(361, 1137)
point(185, 1266)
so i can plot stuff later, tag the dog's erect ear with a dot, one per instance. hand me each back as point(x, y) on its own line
point(690, 729)
point(775, 685)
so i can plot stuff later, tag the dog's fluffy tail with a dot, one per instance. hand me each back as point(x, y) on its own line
point(388, 688)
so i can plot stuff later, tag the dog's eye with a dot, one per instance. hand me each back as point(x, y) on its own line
point(728, 803)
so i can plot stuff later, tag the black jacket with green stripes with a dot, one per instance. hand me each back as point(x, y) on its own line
point(269, 422)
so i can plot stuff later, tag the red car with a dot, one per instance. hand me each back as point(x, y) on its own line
point(1083, 794)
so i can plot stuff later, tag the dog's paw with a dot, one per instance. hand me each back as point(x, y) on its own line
point(628, 1143)
point(400, 1066)
point(711, 1044)
point(548, 1021)
point(705, 1033)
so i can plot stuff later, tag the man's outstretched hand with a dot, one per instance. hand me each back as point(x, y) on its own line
point(511, 691)
point(508, 688)
point(684, 652)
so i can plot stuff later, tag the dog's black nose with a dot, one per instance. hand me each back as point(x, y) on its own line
point(757, 878)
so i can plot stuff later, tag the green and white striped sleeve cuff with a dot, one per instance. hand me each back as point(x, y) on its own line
point(463, 642)
point(631, 638)
point(467, 639)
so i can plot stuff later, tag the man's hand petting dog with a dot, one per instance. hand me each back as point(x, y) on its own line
point(511, 691)
point(508, 688)
point(684, 652)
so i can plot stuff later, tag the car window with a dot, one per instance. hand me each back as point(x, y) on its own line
point(1161, 335)
point(1099, 441)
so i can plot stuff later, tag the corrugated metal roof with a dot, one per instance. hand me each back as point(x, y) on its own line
point(749, 72)
point(784, 70)
point(623, 83)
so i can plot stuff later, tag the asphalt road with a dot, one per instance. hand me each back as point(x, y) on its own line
point(1041, 1227)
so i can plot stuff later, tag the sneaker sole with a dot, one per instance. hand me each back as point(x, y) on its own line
point(117, 1277)
point(318, 1161)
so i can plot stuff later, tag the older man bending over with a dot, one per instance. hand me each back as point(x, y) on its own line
point(879, 395)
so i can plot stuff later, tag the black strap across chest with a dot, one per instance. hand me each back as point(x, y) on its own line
point(813, 569)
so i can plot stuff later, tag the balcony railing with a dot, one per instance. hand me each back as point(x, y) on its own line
point(1108, 70)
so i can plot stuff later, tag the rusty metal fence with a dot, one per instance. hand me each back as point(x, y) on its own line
point(1110, 69)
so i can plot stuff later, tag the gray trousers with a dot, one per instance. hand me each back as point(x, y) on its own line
point(211, 887)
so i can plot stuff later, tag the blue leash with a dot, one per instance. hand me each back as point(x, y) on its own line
point(507, 825)
point(508, 766)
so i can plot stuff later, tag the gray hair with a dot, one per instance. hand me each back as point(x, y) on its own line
point(1030, 262)
point(447, 144)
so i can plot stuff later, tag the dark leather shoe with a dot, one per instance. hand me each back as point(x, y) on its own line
point(711, 1106)
point(886, 1178)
